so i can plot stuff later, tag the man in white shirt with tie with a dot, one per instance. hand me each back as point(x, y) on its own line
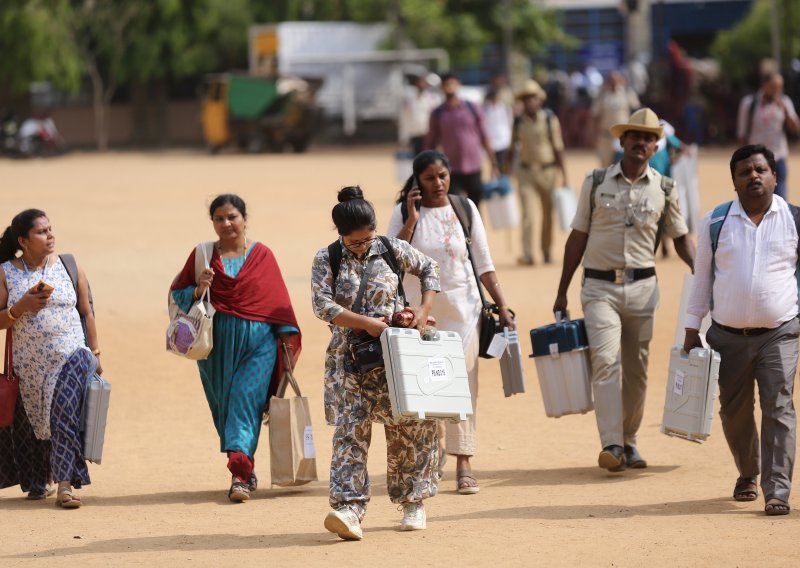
point(749, 285)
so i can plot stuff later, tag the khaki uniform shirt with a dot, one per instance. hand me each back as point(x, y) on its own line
point(622, 229)
point(535, 147)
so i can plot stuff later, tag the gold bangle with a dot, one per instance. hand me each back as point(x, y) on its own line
point(503, 308)
point(96, 352)
point(11, 316)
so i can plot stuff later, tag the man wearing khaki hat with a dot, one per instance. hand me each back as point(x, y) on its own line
point(621, 211)
point(537, 137)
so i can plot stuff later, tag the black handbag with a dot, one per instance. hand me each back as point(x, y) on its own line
point(367, 352)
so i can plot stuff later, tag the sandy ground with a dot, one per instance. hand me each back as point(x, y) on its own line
point(159, 498)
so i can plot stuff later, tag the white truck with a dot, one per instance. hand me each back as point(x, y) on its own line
point(361, 79)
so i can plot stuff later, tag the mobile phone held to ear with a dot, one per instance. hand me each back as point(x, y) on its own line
point(418, 202)
point(41, 286)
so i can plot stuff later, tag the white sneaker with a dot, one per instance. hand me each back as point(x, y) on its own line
point(345, 523)
point(414, 518)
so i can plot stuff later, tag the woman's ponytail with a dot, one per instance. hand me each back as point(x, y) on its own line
point(21, 225)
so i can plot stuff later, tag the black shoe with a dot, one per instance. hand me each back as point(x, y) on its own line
point(547, 259)
point(612, 458)
point(634, 458)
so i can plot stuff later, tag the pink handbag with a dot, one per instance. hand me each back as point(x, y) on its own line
point(9, 386)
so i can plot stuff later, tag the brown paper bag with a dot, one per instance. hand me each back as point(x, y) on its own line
point(293, 459)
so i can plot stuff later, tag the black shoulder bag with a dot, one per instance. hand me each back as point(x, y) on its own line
point(489, 324)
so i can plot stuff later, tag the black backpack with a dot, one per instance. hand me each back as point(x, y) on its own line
point(335, 260)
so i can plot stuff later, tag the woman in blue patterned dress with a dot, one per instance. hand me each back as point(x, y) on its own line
point(51, 360)
point(354, 399)
point(254, 316)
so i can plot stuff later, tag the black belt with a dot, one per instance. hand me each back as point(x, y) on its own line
point(747, 331)
point(543, 166)
point(620, 276)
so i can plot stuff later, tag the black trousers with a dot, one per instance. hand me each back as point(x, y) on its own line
point(467, 184)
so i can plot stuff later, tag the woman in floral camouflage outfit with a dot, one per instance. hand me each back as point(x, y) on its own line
point(355, 399)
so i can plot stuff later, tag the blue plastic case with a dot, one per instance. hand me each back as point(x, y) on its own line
point(566, 335)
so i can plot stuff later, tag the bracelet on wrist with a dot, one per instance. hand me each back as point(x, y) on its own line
point(96, 352)
point(11, 316)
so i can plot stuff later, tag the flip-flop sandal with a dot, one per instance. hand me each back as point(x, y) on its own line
point(464, 487)
point(68, 500)
point(745, 489)
point(252, 483)
point(776, 507)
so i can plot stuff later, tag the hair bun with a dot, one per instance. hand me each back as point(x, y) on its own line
point(350, 193)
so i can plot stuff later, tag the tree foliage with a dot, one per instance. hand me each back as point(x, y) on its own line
point(34, 47)
point(740, 49)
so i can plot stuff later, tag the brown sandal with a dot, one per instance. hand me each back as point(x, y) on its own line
point(67, 499)
point(775, 507)
point(745, 489)
point(467, 484)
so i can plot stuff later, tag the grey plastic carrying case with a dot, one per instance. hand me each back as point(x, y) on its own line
point(95, 414)
point(426, 379)
point(691, 390)
point(511, 370)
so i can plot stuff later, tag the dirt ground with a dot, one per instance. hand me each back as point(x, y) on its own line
point(159, 498)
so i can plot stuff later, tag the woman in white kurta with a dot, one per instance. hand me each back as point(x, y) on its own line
point(435, 230)
point(53, 359)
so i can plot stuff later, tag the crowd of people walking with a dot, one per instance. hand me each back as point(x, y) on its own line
point(432, 260)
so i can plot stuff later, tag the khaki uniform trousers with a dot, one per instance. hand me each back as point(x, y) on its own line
point(535, 181)
point(619, 325)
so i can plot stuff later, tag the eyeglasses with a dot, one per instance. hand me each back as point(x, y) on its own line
point(359, 244)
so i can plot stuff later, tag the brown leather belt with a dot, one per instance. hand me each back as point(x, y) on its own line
point(620, 276)
point(746, 331)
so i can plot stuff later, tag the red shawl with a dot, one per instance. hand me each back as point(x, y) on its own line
point(258, 293)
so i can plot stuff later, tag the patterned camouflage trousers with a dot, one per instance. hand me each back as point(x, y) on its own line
point(412, 455)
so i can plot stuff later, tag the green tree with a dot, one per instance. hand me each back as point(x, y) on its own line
point(739, 50)
point(463, 27)
point(35, 47)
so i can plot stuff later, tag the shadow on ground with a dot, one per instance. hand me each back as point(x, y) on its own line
point(218, 496)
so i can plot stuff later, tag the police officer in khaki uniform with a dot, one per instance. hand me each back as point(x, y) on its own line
point(614, 232)
point(537, 137)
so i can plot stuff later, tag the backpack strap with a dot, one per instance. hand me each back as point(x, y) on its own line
point(718, 216)
point(549, 121)
point(437, 112)
point(391, 259)
point(795, 211)
point(598, 176)
point(667, 185)
point(335, 260)
point(463, 213)
point(72, 270)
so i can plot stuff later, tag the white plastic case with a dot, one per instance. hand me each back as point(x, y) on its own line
point(565, 381)
point(691, 390)
point(427, 379)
